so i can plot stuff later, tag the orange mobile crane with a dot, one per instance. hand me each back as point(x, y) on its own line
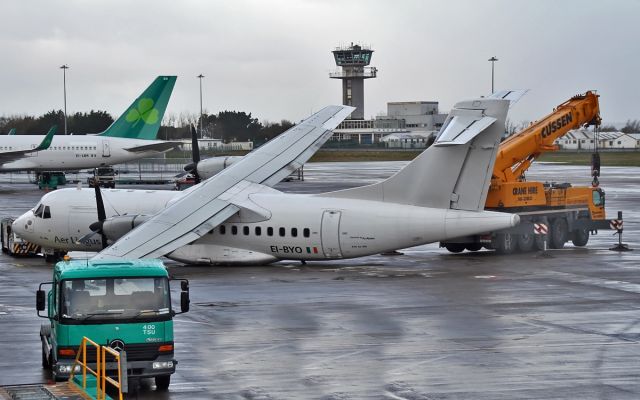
point(569, 212)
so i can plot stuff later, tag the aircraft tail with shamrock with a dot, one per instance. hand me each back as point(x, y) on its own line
point(142, 119)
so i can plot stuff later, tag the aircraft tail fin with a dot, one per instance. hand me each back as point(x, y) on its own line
point(12, 131)
point(142, 119)
point(455, 172)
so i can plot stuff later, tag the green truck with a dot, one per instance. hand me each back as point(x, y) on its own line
point(125, 305)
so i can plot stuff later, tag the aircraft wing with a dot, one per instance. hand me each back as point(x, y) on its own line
point(159, 146)
point(212, 202)
point(12, 155)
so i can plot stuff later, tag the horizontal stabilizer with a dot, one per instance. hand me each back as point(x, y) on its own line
point(512, 95)
point(462, 129)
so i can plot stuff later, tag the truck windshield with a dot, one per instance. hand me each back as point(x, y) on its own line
point(115, 298)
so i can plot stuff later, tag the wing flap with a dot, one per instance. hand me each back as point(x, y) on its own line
point(158, 146)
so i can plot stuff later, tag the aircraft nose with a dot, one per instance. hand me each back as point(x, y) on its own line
point(22, 224)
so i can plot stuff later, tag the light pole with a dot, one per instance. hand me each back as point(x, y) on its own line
point(200, 77)
point(64, 69)
point(493, 61)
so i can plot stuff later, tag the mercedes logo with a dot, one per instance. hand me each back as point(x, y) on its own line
point(117, 345)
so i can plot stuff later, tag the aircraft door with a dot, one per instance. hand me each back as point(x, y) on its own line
point(106, 149)
point(330, 234)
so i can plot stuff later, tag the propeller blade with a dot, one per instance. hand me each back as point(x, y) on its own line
point(195, 149)
point(195, 155)
point(102, 215)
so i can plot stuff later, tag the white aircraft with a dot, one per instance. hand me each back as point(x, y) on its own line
point(130, 137)
point(236, 217)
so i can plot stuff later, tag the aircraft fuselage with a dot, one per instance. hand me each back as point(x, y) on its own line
point(287, 226)
point(71, 152)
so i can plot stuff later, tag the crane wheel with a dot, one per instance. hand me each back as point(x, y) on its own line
point(526, 242)
point(559, 233)
point(455, 247)
point(580, 237)
point(504, 243)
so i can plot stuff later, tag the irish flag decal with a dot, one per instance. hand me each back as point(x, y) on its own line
point(313, 250)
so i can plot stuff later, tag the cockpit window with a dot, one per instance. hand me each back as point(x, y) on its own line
point(47, 212)
point(38, 211)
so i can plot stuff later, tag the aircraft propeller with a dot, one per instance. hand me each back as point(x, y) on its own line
point(96, 227)
point(192, 167)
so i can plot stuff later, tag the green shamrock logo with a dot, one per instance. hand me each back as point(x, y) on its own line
point(143, 112)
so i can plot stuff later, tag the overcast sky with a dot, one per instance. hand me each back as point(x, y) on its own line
point(272, 58)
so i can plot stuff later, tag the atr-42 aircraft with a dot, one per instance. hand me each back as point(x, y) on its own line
point(236, 217)
point(130, 137)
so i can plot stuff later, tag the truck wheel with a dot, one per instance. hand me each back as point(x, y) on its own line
point(473, 246)
point(559, 233)
point(504, 243)
point(526, 242)
point(454, 247)
point(163, 382)
point(580, 237)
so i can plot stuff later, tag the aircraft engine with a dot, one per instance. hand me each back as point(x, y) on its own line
point(116, 227)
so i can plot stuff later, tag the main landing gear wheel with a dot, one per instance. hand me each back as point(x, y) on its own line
point(454, 247)
point(526, 242)
point(504, 243)
point(473, 246)
point(559, 233)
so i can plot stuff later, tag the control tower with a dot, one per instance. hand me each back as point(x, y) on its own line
point(353, 69)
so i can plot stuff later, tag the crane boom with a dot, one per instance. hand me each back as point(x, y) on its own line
point(518, 151)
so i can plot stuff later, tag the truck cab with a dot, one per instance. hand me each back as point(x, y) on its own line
point(103, 177)
point(125, 305)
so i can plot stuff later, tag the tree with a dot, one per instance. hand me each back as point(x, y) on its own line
point(631, 126)
point(608, 128)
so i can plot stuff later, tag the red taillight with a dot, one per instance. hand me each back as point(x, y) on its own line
point(67, 352)
point(165, 348)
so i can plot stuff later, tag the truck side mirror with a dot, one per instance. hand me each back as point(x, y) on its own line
point(184, 302)
point(184, 285)
point(40, 300)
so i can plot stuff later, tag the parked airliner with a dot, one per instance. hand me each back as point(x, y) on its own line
point(130, 137)
point(236, 217)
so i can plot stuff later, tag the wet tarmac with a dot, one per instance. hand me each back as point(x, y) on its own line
point(422, 325)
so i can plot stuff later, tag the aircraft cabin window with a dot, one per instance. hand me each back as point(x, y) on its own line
point(47, 212)
point(234, 230)
point(258, 231)
point(223, 229)
point(245, 230)
point(294, 232)
point(269, 231)
point(305, 232)
point(282, 231)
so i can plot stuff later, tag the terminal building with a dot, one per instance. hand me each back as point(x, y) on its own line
point(406, 123)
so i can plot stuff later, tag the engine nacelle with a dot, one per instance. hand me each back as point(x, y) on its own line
point(116, 227)
point(211, 166)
